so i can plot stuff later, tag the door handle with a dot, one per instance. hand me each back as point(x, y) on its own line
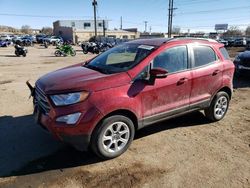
point(216, 72)
point(182, 81)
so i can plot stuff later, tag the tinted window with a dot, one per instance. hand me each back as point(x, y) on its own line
point(224, 53)
point(203, 55)
point(173, 59)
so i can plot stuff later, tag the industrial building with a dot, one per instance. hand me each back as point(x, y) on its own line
point(82, 30)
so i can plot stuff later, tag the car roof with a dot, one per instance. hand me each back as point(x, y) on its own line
point(160, 41)
point(151, 42)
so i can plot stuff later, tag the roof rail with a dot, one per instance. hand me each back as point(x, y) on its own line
point(193, 38)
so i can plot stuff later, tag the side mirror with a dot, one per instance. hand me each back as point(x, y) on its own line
point(158, 73)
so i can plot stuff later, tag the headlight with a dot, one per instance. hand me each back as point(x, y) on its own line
point(69, 98)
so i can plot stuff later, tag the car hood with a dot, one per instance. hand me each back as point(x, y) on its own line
point(78, 78)
point(245, 55)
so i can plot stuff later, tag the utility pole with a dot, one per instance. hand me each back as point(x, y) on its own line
point(145, 26)
point(121, 23)
point(94, 3)
point(169, 17)
point(104, 27)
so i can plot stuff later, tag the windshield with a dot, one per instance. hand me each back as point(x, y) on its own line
point(120, 58)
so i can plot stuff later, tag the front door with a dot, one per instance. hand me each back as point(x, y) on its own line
point(170, 94)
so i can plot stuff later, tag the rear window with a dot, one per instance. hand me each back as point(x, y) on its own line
point(203, 55)
point(224, 53)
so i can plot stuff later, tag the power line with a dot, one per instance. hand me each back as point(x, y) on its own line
point(217, 18)
point(195, 2)
point(214, 10)
point(41, 16)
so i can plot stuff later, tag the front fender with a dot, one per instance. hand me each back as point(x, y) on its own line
point(110, 100)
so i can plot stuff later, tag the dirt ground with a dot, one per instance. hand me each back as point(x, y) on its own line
point(183, 152)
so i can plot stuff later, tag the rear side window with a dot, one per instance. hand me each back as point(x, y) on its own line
point(224, 53)
point(203, 55)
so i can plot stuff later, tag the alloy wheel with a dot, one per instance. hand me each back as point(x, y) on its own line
point(220, 107)
point(115, 137)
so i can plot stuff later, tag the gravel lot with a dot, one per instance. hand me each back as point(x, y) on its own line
point(183, 152)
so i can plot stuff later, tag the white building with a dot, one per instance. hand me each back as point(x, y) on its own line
point(82, 30)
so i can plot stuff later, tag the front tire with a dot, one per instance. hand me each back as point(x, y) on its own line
point(218, 107)
point(112, 137)
point(58, 53)
point(73, 53)
point(17, 53)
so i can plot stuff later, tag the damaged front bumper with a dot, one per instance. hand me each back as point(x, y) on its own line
point(46, 114)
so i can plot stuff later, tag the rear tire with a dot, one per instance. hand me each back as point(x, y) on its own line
point(57, 53)
point(112, 136)
point(24, 54)
point(218, 107)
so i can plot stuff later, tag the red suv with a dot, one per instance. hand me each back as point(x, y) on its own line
point(100, 104)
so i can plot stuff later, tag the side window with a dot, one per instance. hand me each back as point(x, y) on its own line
point(86, 24)
point(173, 59)
point(224, 53)
point(203, 55)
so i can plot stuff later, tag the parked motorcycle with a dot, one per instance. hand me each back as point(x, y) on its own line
point(105, 46)
point(91, 47)
point(65, 50)
point(20, 50)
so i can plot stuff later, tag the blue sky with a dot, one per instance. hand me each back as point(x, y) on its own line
point(196, 15)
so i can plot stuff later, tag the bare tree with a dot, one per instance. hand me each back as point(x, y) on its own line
point(47, 30)
point(26, 29)
point(233, 31)
point(248, 31)
point(8, 29)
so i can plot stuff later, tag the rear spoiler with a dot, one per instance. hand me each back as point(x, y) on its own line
point(31, 88)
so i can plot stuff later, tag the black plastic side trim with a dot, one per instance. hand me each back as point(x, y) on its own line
point(172, 113)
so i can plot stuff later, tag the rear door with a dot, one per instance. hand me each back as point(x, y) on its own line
point(207, 74)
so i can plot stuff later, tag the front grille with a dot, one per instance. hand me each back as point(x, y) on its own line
point(41, 101)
